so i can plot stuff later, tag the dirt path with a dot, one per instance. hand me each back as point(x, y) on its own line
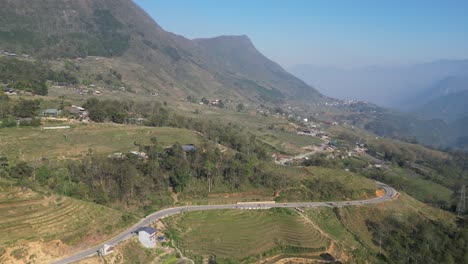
point(320, 149)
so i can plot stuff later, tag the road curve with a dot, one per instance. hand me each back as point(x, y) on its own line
point(390, 193)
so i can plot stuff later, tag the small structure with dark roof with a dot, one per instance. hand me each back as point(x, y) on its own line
point(189, 148)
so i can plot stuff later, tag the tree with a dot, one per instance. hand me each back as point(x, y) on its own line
point(240, 107)
point(205, 101)
point(3, 162)
point(22, 171)
point(26, 108)
point(5, 105)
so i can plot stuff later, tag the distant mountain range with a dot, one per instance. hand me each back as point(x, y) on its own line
point(447, 99)
point(437, 116)
point(385, 86)
point(228, 65)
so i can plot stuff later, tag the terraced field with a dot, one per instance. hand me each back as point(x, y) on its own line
point(27, 215)
point(242, 234)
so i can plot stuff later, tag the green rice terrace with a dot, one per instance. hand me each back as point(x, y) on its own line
point(246, 235)
point(27, 215)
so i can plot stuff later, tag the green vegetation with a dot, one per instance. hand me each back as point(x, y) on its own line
point(101, 35)
point(245, 236)
point(75, 143)
point(134, 252)
point(420, 240)
point(361, 232)
point(429, 175)
point(24, 75)
point(21, 112)
point(31, 76)
point(264, 94)
point(318, 184)
point(25, 214)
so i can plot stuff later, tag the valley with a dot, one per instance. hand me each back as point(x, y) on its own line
point(121, 142)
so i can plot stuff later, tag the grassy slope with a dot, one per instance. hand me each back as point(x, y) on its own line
point(347, 225)
point(419, 187)
point(274, 131)
point(357, 187)
point(32, 144)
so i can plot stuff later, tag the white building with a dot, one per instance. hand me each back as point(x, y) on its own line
point(147, 236)
point(106, 249)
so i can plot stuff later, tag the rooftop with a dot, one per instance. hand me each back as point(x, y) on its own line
point(189, 147)
point(147, 229)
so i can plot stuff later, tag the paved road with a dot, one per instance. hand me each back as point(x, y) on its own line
point(389, 194)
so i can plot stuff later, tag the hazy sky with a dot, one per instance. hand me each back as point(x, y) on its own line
point(339, 33)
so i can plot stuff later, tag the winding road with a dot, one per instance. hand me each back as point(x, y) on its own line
point(390, 193)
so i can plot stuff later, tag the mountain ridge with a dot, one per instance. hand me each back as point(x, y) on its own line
point(120, 28)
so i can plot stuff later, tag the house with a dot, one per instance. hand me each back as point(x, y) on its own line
point(79, 108)
point(189, 148)
point(9, 91)
point(146, 236)
point(140, 155)
point(117, 155)
point(51, 112)
point(186, 148)
point(106, 249)
point(137, 121)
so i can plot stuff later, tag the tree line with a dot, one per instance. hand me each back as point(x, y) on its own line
point(25, 110)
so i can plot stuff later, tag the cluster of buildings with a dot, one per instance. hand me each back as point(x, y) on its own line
point(214, 102)
point(144, 156)
point(81, 90)
point(10, 91)
point(78, 112)
point(360, 148)
point(14, 55)
point(343, 102)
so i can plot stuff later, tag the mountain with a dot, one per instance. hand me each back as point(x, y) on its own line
point(446, 86)
point(449, 107)
point(224, 66)
point(457, 134)
point(386, 86)
point(438, 93)
point(238, 56)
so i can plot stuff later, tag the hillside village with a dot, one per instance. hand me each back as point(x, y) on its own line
point(121, 142)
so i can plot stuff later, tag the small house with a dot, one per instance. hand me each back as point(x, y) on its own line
point(105, 250)
point(51, 112)
point(147, 236)
point(139, 154)
point(189, 148)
